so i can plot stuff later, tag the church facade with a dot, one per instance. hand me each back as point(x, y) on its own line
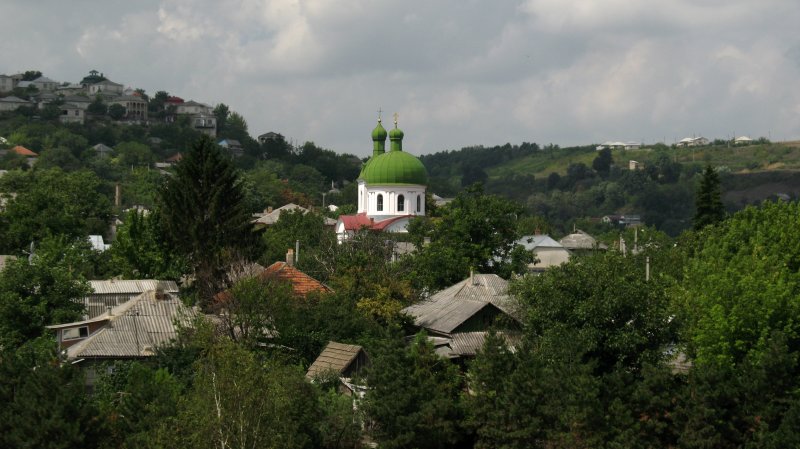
point(391, 188)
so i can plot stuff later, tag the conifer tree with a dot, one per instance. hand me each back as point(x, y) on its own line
point(204, 214)
point(708, 201)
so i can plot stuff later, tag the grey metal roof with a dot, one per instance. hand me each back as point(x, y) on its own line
point(134, 329)
point(335, 357)
point(581, 240)
point(449, 308)
point(116, 286)
point(531, 242)
point(469, 343)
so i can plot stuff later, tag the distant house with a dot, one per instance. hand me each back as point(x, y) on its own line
point(233, 146)
point(72, 113)
point(271, 216)
point(205, 123)
point(7, 83)
point(629, 220)
point(472, 305)
point(301, 283)
point(692, 142)
point(269, 137)
point(135, 107)
point(106, 88)
point(80, 101)
point(192, 107)
point(548, 252)
point(581, 241)
point(28, 154)
point(129, 331)
point(634, 165)
point(338, 359)
point(742, 140)
point(12, 103)
point(42, 83)
point(112, 293)
point(174, 159)
point(103, 150)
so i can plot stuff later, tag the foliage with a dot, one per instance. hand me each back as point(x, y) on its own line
point(708, 202)
point(44, 403)
point(202, 210)
point(139, 250)
point(116, 111)
point(475, 230)
point(51, 202)
point(307, 227)
point(413, 396)
point(47, 290)
point(742, 284)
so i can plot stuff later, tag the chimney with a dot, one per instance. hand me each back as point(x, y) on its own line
point(269, 210)
point(537, 231)
point(471, 276)
point(117, 195)
point(108, 311)
point(290, 257)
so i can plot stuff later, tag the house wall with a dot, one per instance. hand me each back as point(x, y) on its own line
point(550, 257)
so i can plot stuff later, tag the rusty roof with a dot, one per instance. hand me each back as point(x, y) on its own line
point(302, 284)
point(335, 357)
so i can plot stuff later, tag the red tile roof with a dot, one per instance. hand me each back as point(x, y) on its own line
point(358, 221)
point(175, 158)
point(19, 149)
point(302, 284)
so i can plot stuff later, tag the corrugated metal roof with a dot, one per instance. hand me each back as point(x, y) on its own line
point(134, 329)
point(581, 240)
point(449, 308)
point(137, 286)
point(335, 357)
point(531, 242)
point(470, 343)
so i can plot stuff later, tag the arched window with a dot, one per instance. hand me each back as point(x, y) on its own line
point(380, 203)
point(401, 203)
point(419, 204)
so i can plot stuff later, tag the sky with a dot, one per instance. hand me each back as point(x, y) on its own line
point(457, 72)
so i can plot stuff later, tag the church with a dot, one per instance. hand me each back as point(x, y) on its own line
point(391, 187)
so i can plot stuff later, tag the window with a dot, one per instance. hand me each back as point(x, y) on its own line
point(380, 203)
point(419, 204)
point(75, 333)
point(401, 203)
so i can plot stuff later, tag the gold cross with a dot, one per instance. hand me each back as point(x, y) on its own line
point(396, 115)
point(379, 114)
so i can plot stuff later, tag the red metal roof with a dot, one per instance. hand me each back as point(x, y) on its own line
point(358, 221)
point(19, 149)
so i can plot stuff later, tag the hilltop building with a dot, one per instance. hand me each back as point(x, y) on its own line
point(391, 187)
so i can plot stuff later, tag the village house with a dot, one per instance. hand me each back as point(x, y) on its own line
point(692, 142)
point(271, 216)
point(12, 103)
point(233, 146)
point(548, 252)
point(114, 292)
point(129, 331)
point(580, 241)
point(343, 361)
point(135, 107)
point(106, 88)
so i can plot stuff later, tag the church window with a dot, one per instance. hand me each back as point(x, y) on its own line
point(380, 203)
point(419, 204)
point(401, 203)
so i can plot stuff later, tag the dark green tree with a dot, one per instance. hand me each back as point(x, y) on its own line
point(413, 399)
point(202, 210)
point(140, 250)
point(602, 163)
point(708, 200)
point(116, 111)
point(307, 227)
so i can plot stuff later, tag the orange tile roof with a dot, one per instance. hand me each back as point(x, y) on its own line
point(302, 284)
point(19, 149)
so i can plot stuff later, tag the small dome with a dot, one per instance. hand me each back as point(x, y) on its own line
point(379, 134)
point(394, 167)
point(396, 133)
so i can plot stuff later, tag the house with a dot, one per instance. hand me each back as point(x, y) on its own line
point(466, 345)
point(472, 305)
point(391, 188)
point(548, 252)
point(205, 123)
point(174, 159)
point(28, 154)
point(42, 83)
point(269, 137)
point(72, 113)
point(581, 241)
point(742, 140)
point(113, 292)
point(12, 103)
point(135, 107)
point(342, 361)
point(692, 142)
point(80, 101)
point(106, 88)
point(629, 220)
point(7, 83)
point(233, 146)
point(611, 145)
point(271, 216)
point(129, 331)
point(192, 107)
point(103, 150)
point(634, 165)
point(302, 284)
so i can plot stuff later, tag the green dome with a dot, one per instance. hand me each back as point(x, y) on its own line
point(379, 134)
point(396, 133)
point(394, 167)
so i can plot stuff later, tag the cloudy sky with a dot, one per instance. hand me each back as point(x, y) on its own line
point(458, 72)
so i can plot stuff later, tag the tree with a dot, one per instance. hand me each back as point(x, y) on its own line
point(708, 200)
point(475, 230)
point(221, 112)
point(742, 285)
point(602, 163)
point(139, 250)
point(46, 290)
point(97, 107)
point(31, 75)
point(204, 215)
point(307, 227)
point(116, 111)
point(413, 396)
